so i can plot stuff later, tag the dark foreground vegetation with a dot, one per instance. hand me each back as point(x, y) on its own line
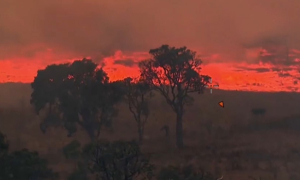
point(118, 160)
point(77, 99)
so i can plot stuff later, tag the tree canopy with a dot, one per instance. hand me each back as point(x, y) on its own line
point(77, 93)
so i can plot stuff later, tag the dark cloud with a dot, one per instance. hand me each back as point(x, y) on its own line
point(262, 70)
point(282, 74)
point(275, 50)
point(278, 56)
point(125, 62)
point(97, 28)
point(291, 88)
point(281, 69)
point(257, 84)
point(266, 41)
point(258, 70)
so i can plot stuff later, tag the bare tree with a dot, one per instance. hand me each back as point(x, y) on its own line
point(137, 96)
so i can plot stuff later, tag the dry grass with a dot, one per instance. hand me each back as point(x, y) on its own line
point(235, 147)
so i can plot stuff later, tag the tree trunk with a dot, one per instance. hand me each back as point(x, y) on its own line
point(50, 108)
point(88, 124)
point(179, 129)
point(91, 134)
point(140, 132)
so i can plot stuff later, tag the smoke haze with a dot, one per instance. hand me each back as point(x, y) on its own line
point(98, 28)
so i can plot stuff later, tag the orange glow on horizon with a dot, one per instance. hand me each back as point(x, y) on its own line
point(227, 75)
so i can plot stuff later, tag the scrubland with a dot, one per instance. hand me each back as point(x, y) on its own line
point(228, 141)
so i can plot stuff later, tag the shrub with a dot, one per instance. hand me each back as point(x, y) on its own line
point(118, 160)
point(80, 173)
point(22, 165)
point(184, 173)
point(25, 165)
point(258, 111)
point(71, 150)
point(3, 144)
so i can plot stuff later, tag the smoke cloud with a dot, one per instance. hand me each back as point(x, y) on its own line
point(97, 28)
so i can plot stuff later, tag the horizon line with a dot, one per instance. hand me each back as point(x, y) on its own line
point(218, 89)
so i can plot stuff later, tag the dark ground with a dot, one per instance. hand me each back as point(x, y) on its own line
point(229, 141)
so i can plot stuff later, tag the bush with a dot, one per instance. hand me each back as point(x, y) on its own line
point(258, 111)
point(80, 173)
point(22, 165)
point(3, 144)
point(71, 150)
point(118, 160)
point(184, 173)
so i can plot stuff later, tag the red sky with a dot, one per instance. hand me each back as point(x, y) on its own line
point(230, 76)
point(245, 45)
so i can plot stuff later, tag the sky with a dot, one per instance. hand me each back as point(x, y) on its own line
point(249, 45)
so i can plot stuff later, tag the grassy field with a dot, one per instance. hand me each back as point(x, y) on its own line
point(228, 141)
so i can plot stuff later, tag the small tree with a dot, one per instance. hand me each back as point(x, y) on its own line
point(174, 73)
point(3, 145)
point(137, 96)
point(118, 160)
point(258, 111)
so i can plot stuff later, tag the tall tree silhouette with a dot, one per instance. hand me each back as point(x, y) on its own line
point(174, 73)
point(77, 93)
